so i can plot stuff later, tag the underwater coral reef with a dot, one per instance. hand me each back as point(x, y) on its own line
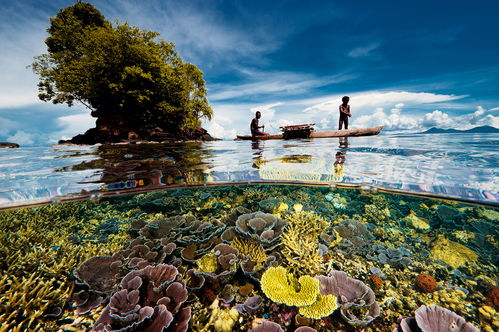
point(250, 258)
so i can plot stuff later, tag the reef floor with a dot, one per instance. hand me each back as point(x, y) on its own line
point(249, 257)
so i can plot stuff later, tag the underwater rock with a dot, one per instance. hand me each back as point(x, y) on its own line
point(416, 222)
point(351, 293)
point(150, 300)
point(435, 318)
point(264, 227)
point(426, 283)
point(451, 253)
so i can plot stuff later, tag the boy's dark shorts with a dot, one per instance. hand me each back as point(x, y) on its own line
point(343, 117)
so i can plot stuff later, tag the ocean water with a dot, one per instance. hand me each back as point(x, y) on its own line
point(230, 236)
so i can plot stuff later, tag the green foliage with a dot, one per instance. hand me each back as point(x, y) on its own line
point(125, 75)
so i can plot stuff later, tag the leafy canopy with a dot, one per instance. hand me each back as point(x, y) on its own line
point(119, 72)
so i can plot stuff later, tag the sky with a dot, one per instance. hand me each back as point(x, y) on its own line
point(407, 65)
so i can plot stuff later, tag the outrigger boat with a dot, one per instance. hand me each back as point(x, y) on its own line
point(307, 131)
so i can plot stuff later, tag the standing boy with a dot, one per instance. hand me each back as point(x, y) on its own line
point(344, 112)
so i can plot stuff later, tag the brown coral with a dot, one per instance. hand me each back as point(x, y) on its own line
point(426, 283)
point(493, 296)
point(376, 281)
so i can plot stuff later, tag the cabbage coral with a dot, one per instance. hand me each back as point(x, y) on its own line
point(280, 286)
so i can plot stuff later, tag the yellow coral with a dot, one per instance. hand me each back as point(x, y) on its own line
point(451, 252)
point(301, 253)
point(207, 263)
point(250, 249)
point(323, 307)
point(280, 287)
point(298, 208)
point(300, 243)
point(306, 222)
point(223, 320)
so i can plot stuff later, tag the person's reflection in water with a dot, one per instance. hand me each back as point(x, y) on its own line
point(340, 157)
point(257, 155)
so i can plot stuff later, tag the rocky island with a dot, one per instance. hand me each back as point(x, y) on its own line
point(7, 145)
point(136, 85)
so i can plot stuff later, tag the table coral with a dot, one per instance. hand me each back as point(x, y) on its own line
point(323, 307)
point(281, 287)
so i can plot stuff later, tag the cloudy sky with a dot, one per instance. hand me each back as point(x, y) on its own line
point(408, 65)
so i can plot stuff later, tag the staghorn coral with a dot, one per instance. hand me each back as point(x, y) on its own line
point(300, 243)
point(281, 287)
point(249, 249)
point(435, 318)
point(37, 258)
point(150, 300)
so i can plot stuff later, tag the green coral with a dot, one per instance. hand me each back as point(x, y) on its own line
point(281, 287)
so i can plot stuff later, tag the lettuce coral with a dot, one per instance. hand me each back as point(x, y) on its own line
point(280, 286)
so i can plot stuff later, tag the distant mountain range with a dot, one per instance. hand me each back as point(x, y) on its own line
point(483, 129)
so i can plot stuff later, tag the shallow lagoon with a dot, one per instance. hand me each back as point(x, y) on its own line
point(221, 253)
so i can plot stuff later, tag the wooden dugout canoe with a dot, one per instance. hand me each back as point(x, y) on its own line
point(322, 134)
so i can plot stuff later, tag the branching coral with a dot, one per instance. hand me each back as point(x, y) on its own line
point(249, 249)
point(39, 248)
point(300, 243)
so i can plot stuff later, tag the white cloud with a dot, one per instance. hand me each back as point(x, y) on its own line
point(267, 110)
point(72, 125)
point(396, 121)
point(368, 100)
point(22, 138)
point(363, 51)
point(272, 83)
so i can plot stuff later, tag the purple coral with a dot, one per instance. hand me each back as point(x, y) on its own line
point(150, 300)
point(435, 318)
point(267, 326)
point(351, 293)
point(264, 227)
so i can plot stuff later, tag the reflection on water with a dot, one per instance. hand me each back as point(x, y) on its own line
point(462, 166)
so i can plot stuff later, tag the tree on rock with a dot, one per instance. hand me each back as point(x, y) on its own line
point(129, 79)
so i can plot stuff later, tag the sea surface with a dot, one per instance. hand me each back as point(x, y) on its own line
point(461, 166)
point(357, 234)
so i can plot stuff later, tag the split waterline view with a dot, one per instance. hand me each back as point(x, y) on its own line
point(261, 166)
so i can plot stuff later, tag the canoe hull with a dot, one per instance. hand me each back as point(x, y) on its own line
point(322, 134)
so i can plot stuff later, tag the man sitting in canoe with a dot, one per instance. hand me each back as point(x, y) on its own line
point(255, 128)
point(344, 112)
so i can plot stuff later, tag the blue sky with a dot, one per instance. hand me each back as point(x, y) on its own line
point(408, 65)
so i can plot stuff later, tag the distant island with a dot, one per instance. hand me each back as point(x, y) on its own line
point(482, 129)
